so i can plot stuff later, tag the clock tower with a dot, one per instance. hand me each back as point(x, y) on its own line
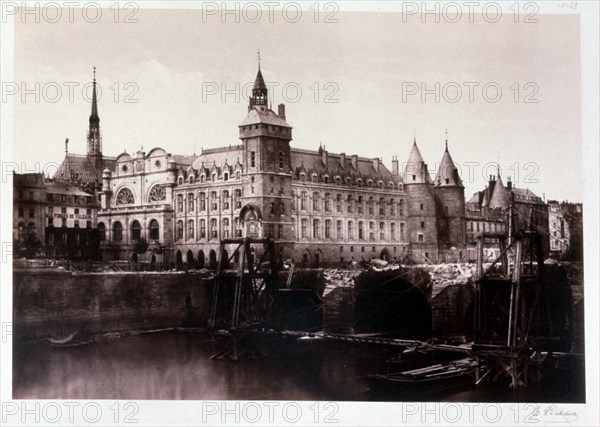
point(267, 170)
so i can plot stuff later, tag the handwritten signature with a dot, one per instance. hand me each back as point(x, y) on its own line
point(555, 414)
point(571, 5)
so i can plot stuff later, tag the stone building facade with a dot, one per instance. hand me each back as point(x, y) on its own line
point(318, 207)
point(507, 209)
point(565, 221)
point(29, 205)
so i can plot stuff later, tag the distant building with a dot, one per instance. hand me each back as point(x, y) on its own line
point(29, 205)
point(70, 217)
point(566, 224)
point(490, 210)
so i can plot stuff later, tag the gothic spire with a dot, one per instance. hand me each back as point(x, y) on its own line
point(94, 118)
point(94, 140)
point(259, 91)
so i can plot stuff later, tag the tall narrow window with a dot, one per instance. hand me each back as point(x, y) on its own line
point(117, 232)
point(252, 159)
point(135, 231)
point(179, 230)
point(154, 230)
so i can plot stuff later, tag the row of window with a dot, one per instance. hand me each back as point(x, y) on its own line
point(213, 231)
point(201, 201)
point(212, 177)
point(363, 231)
point(489, 227)
point(349, 181)
point(326, 203)
point(135, 231)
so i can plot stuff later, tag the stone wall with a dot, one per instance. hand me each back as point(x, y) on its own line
point(56, 304)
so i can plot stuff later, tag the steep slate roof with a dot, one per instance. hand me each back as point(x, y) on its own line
point(218, 157)
point(415, 166)
point(266, 116)
point(60, 188)
point(312, 161)
point(83, 167)
point(526, 195)
point(500, 197)
point(447, 171)
point(259, 82)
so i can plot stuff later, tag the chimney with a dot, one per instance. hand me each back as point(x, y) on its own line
point(354, 161)
point(376, 163)
point(281, 111)
point(395, 169)
point(67, 145)
point(343, 159)
point(324, 155)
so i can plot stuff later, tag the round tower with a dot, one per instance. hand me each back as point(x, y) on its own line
point(450, 205)
point(421, 208)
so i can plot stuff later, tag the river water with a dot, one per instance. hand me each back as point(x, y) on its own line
point(177, 365)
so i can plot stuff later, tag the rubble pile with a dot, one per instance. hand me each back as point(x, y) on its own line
point(444, 275)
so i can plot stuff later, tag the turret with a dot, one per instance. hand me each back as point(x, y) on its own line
point(421, 212)
point(450, 203)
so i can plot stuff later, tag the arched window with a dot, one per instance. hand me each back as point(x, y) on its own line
point(180, 180)
point(154, 230)
point(157, 193)
point(191, 179)
point(136, 231)
point(117, 232)
point(102, 229)
point(125, 197)
point(179, 230)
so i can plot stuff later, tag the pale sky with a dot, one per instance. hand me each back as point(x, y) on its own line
point(369, 58)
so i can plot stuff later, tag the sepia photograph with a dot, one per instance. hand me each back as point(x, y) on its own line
point(299, 213)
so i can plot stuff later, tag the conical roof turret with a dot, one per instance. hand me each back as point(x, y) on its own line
point(447, 174)
point(415, 170)
point(500, 198)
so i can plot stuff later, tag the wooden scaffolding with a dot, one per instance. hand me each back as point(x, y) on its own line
point(245, 294)
point(512, 319)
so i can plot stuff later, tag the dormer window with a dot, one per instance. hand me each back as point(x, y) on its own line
point(302, 177)
point(359, 182)
point(381, 184)
point(214, 177)
point(202, 178)
point(326, 179)
point(226, 176)
point(180, 180)
point(191, 179)
point(314, 177)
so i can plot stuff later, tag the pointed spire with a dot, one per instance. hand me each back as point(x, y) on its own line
point(415, 171)
point(94, 118)
point(258, 55)
point(446, 139)
point(94, 139)
point(499, 197)
point(447, 174)
point(259, 90)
